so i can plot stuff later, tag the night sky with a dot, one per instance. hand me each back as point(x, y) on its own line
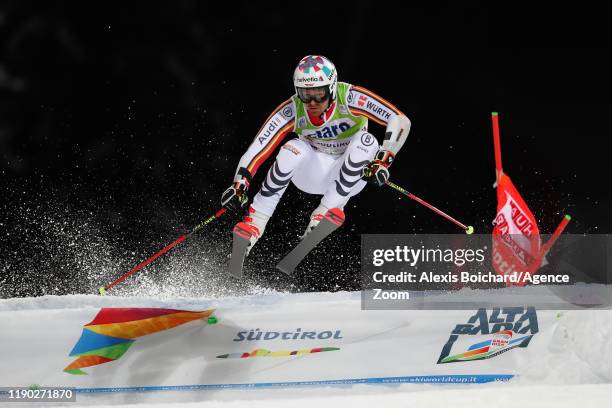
point(125, 121)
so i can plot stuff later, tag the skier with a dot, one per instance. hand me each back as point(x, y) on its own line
point(332, 152)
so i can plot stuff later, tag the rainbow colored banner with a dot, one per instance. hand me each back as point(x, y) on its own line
point(113, 331)
point(500, 343)
point(268, 353)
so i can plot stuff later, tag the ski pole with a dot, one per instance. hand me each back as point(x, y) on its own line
point(102, 290)
point(467, 228)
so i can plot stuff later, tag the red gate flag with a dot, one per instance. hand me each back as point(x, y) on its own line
point(517, 247)
point(516, 237)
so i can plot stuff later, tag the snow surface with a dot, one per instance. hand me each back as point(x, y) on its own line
point(567, 364)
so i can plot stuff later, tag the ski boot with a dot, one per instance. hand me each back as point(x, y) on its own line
point(315, 218)
point(246, 233)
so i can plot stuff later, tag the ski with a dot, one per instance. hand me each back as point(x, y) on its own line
point(240, 249)
point(331, 221)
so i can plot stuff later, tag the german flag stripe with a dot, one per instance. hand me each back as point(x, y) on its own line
point(274, 112)
point(359, 112)
point(267, 151)
point(383, 101)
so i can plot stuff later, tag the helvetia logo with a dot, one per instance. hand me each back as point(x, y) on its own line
point(486, 336)
point(309, 80)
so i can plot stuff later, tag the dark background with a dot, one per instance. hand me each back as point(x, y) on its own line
point(122, 122)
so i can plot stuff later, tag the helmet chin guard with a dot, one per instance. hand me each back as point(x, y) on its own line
point(315, 71)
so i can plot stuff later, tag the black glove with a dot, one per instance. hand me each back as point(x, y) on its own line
point(377, 171)
point(235, 198)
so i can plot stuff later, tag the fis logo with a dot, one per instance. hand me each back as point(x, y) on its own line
point(287, 112)
point(486, 336)
point(330, 131)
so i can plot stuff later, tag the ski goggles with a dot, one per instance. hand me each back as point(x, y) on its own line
point(319, 94)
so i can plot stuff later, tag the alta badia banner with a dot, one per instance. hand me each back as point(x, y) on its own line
point(105, 345)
